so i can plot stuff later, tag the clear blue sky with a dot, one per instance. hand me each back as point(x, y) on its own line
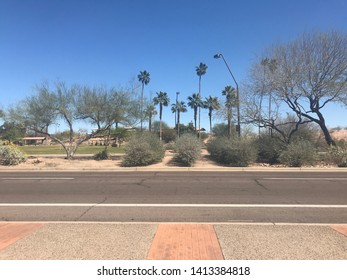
point(109, 42)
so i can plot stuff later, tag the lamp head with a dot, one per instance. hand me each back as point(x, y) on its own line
point(218, 55)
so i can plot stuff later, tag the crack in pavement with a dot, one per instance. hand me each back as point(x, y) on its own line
point(90, 208)
point(141, 184)
point(260, 184)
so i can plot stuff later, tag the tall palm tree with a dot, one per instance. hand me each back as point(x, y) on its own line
point(194, 102)
point(230, 94)
point(211, 103)
point(163, 100)
point(179, 107)
point(144, 78)
point(150, 112)
point(200, 71)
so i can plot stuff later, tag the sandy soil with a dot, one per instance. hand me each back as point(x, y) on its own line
point(57, 162)
point(87, 163)
point(340, 134)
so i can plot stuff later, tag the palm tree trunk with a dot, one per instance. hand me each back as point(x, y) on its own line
point(195, 115)
point(178, 123)
point(199, 106)
point(229, 122)
point(160, 129)
point(143, 85)
point(210, 116)
point(150, 122)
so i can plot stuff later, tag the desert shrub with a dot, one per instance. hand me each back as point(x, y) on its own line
point(338, 155)
point(169, 146)
point(168, 135)
point(269, 149)
point(235, 152)
point(188, 149)
point(299, 153)
point(102, 155)
point(143, 149)
point(204, 136)
point(10, 155)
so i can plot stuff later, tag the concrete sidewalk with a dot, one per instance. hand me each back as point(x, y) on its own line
point(138, 241)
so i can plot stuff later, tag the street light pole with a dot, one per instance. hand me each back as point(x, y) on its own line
point(219, 55)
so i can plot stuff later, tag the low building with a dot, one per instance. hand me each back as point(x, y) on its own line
point(34, 140)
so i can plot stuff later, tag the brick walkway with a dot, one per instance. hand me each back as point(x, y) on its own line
point(170, 242)
point(185, 242)
point(11, 232)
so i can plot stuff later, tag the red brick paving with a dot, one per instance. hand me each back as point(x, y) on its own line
point(340, 228)
point(185, 242)
point(11, 232)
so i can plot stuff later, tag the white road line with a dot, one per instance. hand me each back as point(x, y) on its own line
point(171, 205)
point(37, 178)
point(316, 179)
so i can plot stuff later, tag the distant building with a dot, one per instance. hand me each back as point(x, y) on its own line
point(34, 140)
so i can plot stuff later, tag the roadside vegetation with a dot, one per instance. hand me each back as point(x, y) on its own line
point(11, 155)
point(187, 149)
point(143, 149)
point(283, 100)
point(58, 150)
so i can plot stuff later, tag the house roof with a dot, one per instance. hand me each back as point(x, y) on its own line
point(34, 138)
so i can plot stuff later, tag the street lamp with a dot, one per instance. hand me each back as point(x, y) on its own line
point(238, 128)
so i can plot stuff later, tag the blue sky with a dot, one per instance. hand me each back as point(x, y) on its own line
point(109, 42)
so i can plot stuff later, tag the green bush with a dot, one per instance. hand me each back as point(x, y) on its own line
point(10, 155)
point(143, 149)
point(269, 149)
point(299, 153)
point(235, 152)
point(188, 149)
point(338, 155)
point(102, 155)
point(168, 135)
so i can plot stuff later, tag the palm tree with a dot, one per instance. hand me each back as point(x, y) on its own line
point(211, 103)
point(144, 78)
point(200, 71)
point(179, 107)
point(150, 112)
point(230, 93)
point(194, 102)
point(163, 100)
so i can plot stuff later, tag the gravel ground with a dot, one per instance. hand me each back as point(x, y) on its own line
point(281, 242)
point(83, 242)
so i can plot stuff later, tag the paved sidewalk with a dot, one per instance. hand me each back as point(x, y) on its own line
point(125, 241)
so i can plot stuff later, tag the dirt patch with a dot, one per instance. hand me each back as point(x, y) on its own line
point(85, 162)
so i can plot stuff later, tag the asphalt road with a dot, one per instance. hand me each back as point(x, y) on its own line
point(277, 197)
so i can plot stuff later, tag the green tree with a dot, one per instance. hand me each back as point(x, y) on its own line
point(68, 105)
point(194, 102)
point(2, 113)
point(220, 129)
point(230, 94)
point(11, 132)
point(144, 78)
point(179, 107)
point(200, 71)
point(211, 103)
point(162, 99)
point(149, 113)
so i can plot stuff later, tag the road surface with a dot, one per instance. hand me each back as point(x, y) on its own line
point(271, 197)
